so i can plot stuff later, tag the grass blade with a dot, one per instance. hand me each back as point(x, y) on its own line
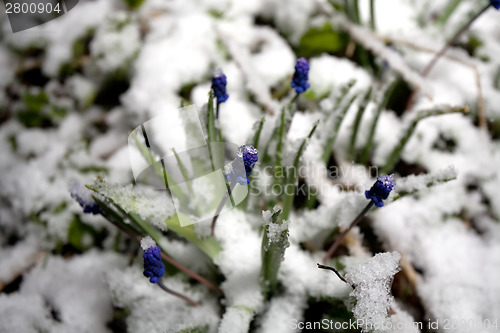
point(365, 155)
point(291, 179)
point(396, 153)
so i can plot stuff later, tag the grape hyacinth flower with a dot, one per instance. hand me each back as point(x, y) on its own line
point(495, 3)
point(84, 197)
point(381, 189)
point(237, 172)
point(377, 193)
point(219, 82)
point(301, 75)
point(154, 267)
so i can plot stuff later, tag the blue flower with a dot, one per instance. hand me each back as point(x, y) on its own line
point(299, 81)
point(153, 266)
point(241, 167)
point(219, 83)
point(84, 197)
point(495, 3)
point(381, 189)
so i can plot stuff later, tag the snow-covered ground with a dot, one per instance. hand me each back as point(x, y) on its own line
point(73, 89)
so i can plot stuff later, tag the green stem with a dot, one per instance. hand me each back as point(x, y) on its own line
point(372, 15)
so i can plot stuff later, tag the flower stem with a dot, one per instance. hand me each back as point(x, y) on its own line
point(221, 205)
point(170, 291)
point(335, 245)
point(453, 40)
point(217, 110)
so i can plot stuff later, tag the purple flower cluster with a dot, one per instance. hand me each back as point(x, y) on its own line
point(495, 3)
point(219, 83)
point(153, 266)
point(301, 75)
point(381, 189)
point(240, 169)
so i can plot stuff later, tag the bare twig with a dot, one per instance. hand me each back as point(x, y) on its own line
point(175, 293)
point(335, 271)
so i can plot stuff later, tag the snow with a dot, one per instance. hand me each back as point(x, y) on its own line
point(239, 260)
point(154, 206)
point(328, 73)
point(147, 242)
point(372, 289)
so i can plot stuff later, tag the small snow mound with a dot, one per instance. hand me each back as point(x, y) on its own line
point(147, 242)
point(372, 282)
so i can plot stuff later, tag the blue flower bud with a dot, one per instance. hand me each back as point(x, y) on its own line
point(241, 167)
point(300, 77)
point(84, 197)
point(153, 266)
point(219, 83)
point(495, 3)
point(381, 189)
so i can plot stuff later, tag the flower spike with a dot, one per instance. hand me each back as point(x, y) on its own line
point(301, 75)
point(237, 172)
point(381, 190)
point(154, 267)
point(219, 82)
point(378, 192)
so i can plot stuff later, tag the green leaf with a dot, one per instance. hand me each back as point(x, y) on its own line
point(209, 244)
point(216, 152)
point(183, 170)
point(195, 329)
point(159, 168)
point(291, 181)
point(396, 152)
point(357, 122)
point(78, 231)
point(117, 213)
point(133, 4)
point(32, 114)
point(317, 41)
point(274, 244)
point(338, 115)
point(256, 137)
point(365, 155)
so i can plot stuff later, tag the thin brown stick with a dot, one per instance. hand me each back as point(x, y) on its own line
point(175, 293)
point(335, 271)
point(337, 243)
point(481, 113)
point(445, 48)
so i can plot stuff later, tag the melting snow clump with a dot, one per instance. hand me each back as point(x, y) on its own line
point(372, 289)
